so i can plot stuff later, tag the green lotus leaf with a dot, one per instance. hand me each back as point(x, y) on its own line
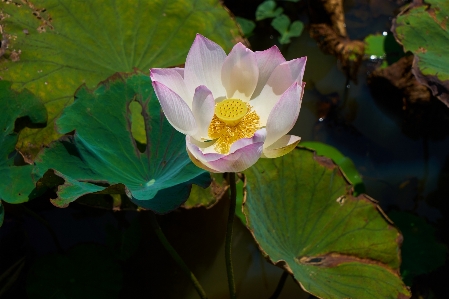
point(301, 211)
point(423, 30)
point(103, 151)
point(421, 252)
point(54, 46)
point(207, 197)
point(86, 271)
point(17, 181)
point(345, 163)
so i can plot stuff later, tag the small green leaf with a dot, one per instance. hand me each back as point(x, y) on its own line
point(86, 271)
point(282, 25)
point(375, 46)
point(343, 162)
point(246, 25)
point(57, 45)
point(103, 152)
point(421, 253)
point(207, 197)
point(267, 10)
point(17, 181)
point(301, 212)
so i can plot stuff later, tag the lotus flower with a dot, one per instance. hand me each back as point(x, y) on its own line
point(233, 109)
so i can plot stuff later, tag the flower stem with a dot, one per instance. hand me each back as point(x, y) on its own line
point(157, 229)
point(228, 242)
point(280, 286)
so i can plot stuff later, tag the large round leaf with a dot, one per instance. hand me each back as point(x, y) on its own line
point(301, 211)
point(103, 151)
point(423, 29)
point(86, 271)
point(56, 45)
point(17, 181)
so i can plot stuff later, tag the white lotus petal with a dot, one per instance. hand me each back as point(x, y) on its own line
point(283, 76)
point(203, 66)
point(172, 78)
point(240, 73)
point(281, 147)
point(244, 153)
point(175, 109)
point(284, 114)
point(203, 110)
point(267, 61)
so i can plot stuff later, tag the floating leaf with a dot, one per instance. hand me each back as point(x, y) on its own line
point(282, 25)
point(421, 253)
point(57, 45)
point(246, 25)
point(17, 181)
point(267, 9)
point(86, 271)
point(346, 164)
point(301, 212)
point(423, 30)
point(207, 197)
point(103, 151)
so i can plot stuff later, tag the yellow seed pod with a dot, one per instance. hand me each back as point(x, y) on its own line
point(231, 111)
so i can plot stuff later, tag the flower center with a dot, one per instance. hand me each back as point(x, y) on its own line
point(231, 111)
point(233, 120)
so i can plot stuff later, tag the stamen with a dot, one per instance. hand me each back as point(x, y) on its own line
point(228, 126)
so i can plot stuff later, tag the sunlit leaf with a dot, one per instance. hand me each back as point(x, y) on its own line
point(103, 151)
point(17, 181)
point(268, 9)
point(57, 45)
point(421, 253)
point(301, 212)
point(86, 271)
point(423, 30)
point(345, 163)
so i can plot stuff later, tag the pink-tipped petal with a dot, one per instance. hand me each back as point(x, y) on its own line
point(172, 78)
point(175, 109)
point(244, 153)
point(283, 76)
point(240, 73)
point(281, 147)
point(203, 110)
point(267, 61)
point(240, 160)
point(284, 114)
point(203, 66)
